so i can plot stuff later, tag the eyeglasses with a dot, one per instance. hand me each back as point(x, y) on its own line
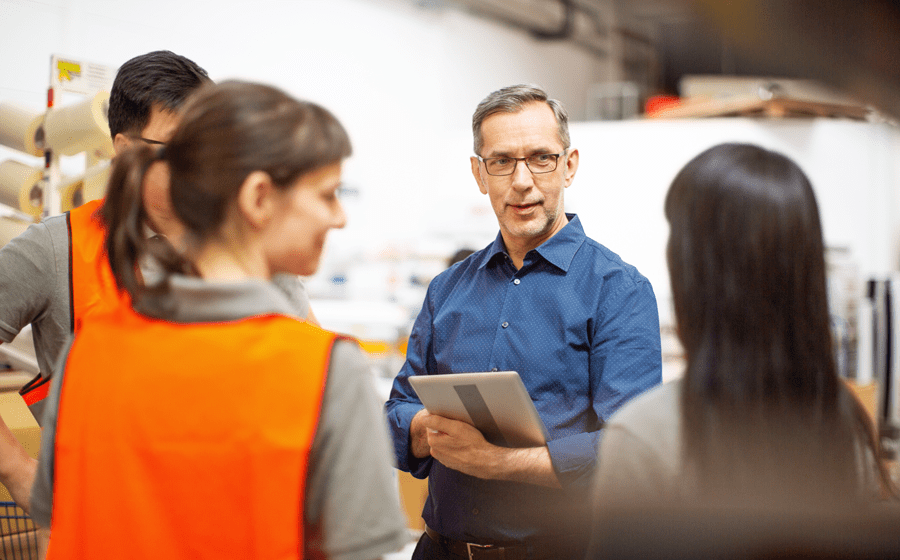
point(538, 163)
point(149, 141)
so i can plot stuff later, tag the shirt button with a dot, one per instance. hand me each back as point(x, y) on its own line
point(505, 324)
point(517, 281)
point(495, 369)
point(475, 511)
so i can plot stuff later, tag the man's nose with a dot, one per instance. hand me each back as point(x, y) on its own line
point(522, 178)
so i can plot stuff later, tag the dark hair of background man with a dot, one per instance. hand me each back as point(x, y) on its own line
point(158, 78)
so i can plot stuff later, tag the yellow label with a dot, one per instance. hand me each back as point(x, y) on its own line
point(68, 70)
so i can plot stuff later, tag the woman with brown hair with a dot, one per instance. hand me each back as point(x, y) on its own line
point(761, 418)
point(205, 420)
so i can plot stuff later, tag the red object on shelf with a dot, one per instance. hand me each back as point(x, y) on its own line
point(658, 103)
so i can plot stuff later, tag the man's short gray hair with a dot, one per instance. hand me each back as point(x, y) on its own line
point(512, 99)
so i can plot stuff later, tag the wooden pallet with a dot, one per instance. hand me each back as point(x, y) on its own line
point(755, 107)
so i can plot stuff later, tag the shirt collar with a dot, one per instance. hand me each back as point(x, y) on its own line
point(559, 250)
point(193, 300)
point(496, 248)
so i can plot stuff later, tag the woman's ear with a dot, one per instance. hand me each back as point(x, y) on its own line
point(257, 199)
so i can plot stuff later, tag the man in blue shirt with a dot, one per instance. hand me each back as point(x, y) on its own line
point(579, 325)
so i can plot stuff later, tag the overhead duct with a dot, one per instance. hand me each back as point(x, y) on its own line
point(565, 29)
point(578, 21)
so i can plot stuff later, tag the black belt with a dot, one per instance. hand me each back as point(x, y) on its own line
point(475, 551)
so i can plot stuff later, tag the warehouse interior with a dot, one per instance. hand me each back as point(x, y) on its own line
point(648, 84)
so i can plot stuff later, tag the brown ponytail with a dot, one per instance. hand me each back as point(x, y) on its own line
point(227, 131)
point(123, 213)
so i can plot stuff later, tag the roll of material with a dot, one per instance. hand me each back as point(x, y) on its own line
point(90, 186)
point(10, 229)
point(82, 127)
point(20, 187)
point(19, 128)
point(71, 194)
point(95, 180)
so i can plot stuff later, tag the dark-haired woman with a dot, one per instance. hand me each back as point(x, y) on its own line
point(205, 420)
point(760, 418)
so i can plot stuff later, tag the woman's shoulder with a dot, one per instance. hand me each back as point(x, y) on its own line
point(656, 407)
point(640, 453)
point(652, 422)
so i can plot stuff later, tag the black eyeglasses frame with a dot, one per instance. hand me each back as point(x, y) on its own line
point(516, 164)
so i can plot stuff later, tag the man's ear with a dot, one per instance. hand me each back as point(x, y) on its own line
point(571, 166)
point(121, 143)
point(476, 172)
point(257, 199)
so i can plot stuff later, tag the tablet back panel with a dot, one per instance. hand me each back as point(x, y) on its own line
point(496, 403)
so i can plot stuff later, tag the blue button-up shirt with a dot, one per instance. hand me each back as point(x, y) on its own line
point(582, 329)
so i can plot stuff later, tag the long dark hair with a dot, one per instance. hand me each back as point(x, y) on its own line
point(764, 415)
point(227, 131)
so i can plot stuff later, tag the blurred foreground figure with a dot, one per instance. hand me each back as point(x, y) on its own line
point(760, 422)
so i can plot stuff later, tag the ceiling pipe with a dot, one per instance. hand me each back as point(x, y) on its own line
point(590, 10)
point(503, 11)
point(565, 29)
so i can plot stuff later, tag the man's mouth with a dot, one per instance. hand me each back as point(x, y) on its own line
point(524, 206)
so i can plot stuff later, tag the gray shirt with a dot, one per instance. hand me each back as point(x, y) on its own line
point(352, 495)
point(640, 454)
point(640, 457)
point(35, 288)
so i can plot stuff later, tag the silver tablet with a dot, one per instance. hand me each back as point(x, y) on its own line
point(495, 402)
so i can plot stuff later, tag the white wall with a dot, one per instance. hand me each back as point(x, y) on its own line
point(626, 168)
point(402, 78)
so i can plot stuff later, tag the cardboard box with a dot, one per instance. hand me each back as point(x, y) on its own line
point(412, 496)
point(868, 396)
point(20, 420)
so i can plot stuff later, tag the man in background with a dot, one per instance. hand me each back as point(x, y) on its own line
point(577, 323)
point(53, 274)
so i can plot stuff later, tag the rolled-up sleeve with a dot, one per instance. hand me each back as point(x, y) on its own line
point(27, 280)
point(625, 361)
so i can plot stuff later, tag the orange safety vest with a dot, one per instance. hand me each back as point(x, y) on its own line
point(91, 283)
point(186, 441)
point(91, 280)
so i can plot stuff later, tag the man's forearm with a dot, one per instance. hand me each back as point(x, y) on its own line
point(461, 447)
point(531, 465)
